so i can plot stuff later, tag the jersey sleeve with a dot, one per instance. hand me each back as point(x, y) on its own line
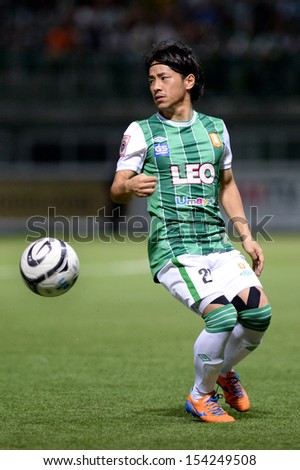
point(226, 159)
point(133, 149)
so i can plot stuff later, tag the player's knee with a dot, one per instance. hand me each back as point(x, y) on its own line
point(256, 318)
point(254, 312)
point(221, 319)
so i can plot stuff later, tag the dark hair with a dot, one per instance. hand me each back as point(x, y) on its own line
point(180, 58)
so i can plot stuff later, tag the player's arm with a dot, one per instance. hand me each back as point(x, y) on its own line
point(128, 183)
point(231, 201)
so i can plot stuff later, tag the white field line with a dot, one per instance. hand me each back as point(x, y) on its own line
point(115, 268)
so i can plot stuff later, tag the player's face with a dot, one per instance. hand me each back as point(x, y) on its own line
point(169, 89)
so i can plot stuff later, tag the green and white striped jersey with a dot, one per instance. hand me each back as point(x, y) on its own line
point(186, 158)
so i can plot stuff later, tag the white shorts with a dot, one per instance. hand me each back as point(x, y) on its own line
point(197, 280)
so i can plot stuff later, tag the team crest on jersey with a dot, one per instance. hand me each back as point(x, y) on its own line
point(124, 144)
point(161, 150)
point(215, 139)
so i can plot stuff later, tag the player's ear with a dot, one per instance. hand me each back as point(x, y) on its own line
point(190, 81)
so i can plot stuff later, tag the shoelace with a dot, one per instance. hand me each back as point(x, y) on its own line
point(214, 406)
point(235, 386)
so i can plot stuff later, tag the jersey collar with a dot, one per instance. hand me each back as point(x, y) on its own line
point(170, 122)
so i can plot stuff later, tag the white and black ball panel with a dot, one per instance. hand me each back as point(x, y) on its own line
point(49, 267)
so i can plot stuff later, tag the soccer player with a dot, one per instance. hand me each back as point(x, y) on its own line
point(181, 161)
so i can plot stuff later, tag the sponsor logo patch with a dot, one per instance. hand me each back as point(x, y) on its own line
point(161, 150)
point(189, 201)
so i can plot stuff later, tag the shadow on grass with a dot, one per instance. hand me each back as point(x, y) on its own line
point(179, 412)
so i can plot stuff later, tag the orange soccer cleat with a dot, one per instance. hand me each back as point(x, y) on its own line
point(234, 392)
point(208, 409)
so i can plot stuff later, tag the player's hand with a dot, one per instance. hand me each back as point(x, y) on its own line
point(255, 252)
point(142, 185)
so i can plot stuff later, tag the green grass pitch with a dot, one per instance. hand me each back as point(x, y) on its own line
point(109, 364)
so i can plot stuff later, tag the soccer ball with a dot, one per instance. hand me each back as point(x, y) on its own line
point(49, 267)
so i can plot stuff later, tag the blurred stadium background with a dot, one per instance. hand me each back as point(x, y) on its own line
point(72, 79)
